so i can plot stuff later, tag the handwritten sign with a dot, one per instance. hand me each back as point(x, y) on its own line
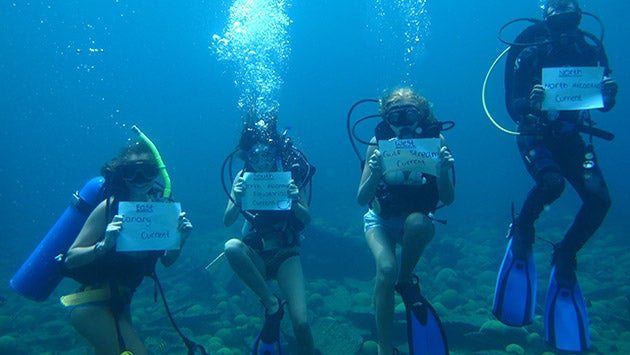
point(148, 226)
point(411, 155)
point(572, 88)
point(267, 191)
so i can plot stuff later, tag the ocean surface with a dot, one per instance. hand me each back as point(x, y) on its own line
point(76, 75)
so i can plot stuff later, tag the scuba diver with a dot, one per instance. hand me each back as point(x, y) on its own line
point(269, 246)
point(400, 212)
point(100, 311)
point(553, 151)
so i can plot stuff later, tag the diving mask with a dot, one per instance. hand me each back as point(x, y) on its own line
point(140, 171)
point(261, 157)
point(563, 18)
point(403, 115)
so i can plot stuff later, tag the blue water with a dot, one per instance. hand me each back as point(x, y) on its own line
point(75, 75)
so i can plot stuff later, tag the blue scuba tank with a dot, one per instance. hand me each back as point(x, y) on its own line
point(41, 272)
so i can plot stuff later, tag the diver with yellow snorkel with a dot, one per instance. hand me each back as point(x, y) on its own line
point(100, 311)
point(553, 151)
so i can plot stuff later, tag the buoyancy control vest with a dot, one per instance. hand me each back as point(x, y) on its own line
point(127, 269)
point(399, 200)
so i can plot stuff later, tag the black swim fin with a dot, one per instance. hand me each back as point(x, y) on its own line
point(424, 328)
point(566, 321)
point(269, 342)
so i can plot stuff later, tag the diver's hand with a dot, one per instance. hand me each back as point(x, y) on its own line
point(238, 189)
point(609, 90)
point(183, 224)
point(376, 163)
point(111, 236)
point(446, 159)
point(184, 227)
point(293, 191)
point(536, 97)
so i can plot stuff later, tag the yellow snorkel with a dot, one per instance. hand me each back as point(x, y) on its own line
point(158, 160)
point(483, 95)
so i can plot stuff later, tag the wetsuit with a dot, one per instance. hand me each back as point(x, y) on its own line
point(556, 151)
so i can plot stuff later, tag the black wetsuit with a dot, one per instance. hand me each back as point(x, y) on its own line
point(556, 151)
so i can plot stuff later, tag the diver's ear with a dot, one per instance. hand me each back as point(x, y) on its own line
point(107, 171)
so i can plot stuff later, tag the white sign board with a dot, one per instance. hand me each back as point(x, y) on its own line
point(267, 191)
point(149, 226)
point(420, 155)
point(572, 88)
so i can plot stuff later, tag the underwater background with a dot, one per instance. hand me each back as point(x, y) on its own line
point(76, 75)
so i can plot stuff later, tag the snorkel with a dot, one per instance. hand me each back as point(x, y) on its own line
point(158, 160)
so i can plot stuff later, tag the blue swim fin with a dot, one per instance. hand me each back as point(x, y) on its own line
point(515, 291)
point(269, 342)
point(566, 321)
point(424, 328)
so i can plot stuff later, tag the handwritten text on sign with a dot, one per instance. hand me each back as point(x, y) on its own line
point(411, 155)
point(572, 88)
point(148, 226)
point(267, 191)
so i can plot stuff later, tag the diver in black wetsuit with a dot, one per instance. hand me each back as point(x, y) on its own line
point(550, 142)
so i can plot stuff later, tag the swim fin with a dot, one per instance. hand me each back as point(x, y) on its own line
point(268, 341)
point(424, 328)
point(566, 321)
point(515, 291)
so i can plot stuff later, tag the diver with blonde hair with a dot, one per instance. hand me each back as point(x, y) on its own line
point(400, 212)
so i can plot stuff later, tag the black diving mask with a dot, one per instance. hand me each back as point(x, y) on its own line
point(404, 115)
point(140, 171)
point(564, 21)
point(261, 157)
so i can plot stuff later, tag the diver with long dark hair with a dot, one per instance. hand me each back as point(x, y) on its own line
point(269, 246)
point(553, 151)
point(101, 310)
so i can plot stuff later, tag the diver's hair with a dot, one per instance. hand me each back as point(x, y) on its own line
point(112, 173)
point(551, 4)
point(252, 135)
point(391, 98)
